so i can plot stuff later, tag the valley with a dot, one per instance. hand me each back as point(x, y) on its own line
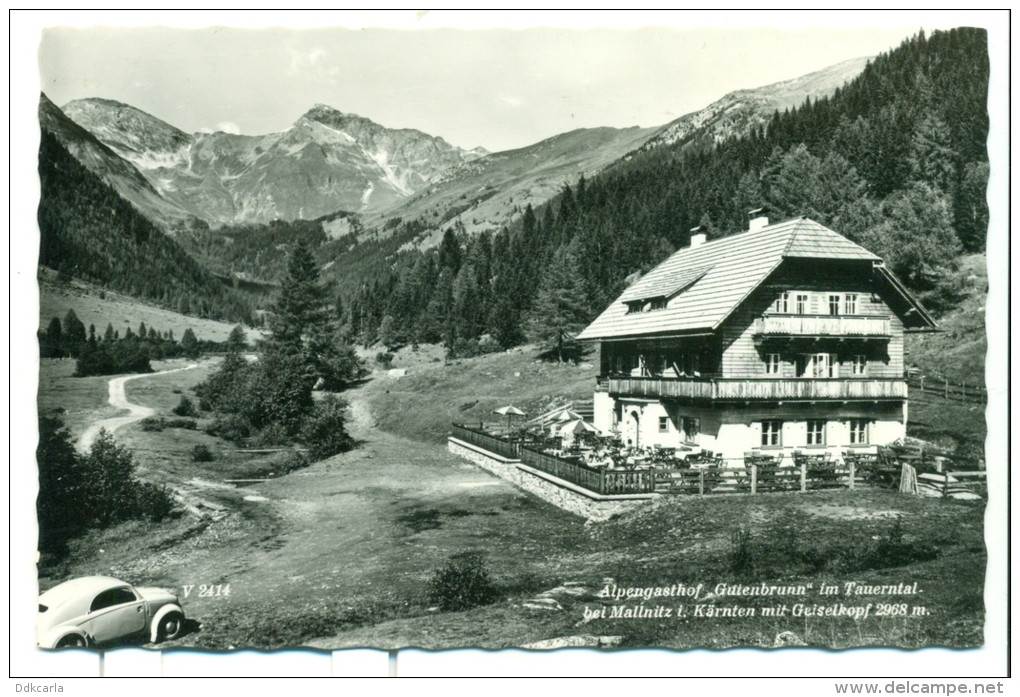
point(429, 284)
point(340, 553)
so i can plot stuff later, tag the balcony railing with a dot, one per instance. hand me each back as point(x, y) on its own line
point(758, 388)
point(823, 325)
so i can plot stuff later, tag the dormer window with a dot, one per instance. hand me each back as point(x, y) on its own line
point(659, 304)
point(635, 306)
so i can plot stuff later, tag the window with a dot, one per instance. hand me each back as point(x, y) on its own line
point(858, 431)
point(771, 433)
point(658, 364)
point(114, 596)
point(663, 424)
point(818, 365)
point(803, 300)
point(692, 427)
point(815, 432)
point(833, 304)
point(859, 365)
point(619, 364)
point(659, 304)
point(772, 364)
point(693, 367)
point(850, 304)
point(782, 304)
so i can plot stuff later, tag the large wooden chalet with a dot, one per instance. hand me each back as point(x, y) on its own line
point(786, 336)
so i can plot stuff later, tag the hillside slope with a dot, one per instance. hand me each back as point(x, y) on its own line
point(104, 161)
point(490, 192)
point(957, 351)
point(738, 112)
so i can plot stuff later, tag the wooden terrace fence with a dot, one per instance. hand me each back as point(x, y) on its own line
point(594, 479)
point(754, 478)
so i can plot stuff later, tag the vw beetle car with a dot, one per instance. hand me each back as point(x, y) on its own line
point(96, 610)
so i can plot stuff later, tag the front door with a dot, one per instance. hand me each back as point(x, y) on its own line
point(632, 428)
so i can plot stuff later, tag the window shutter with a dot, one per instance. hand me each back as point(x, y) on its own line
point(814, 303)
point(833, 365)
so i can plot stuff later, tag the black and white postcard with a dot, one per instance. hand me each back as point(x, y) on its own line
point(382, 332)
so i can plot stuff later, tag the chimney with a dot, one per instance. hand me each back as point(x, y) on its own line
point(698, 236)
point(758, 218)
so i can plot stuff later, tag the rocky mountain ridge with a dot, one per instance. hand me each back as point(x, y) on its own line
point(327, 161)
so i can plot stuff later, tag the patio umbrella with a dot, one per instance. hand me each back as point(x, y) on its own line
point(568, 415)
point(578, 426)
point(509, 412)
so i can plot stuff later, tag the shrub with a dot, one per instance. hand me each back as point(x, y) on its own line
point(153, 423)
point(185, 407)
point(271, 435)
point(189, 424)
point(91, 490)
point(232, 427)
point(202, 453)
point(741, 557)
point(325, 431)
point(461, 584)
point(294, 460)
point(156, 502)
point(384, 359)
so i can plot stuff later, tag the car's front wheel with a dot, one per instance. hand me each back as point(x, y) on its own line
point(170, 626)
point(71, 641)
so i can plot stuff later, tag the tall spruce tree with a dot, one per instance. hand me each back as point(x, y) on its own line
point(561, 309)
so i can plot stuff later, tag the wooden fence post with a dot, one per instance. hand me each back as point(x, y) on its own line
point(754, 479)
point(945, 485)
point(701, 482)
point(852, 475)
point(947, 388)
point(803, 476)
point(922, 384)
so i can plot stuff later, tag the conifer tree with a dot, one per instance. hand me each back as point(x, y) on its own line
point(560, 309)
point(189, 343)
point(53, 339)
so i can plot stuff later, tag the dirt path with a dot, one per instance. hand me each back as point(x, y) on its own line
point(118, 398)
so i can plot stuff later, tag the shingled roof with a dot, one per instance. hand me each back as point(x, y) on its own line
point(709, 281)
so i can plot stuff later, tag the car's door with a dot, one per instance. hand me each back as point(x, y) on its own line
point(115, 613)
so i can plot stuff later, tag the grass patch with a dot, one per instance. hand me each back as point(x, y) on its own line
point(469, 390)
point(275, 625)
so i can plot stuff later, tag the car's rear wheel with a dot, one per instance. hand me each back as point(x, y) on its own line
point(71, 641)
point(170, 626)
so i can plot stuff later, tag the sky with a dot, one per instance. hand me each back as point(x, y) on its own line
point(495, 88)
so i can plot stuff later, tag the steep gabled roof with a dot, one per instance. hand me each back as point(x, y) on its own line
point(715, 277)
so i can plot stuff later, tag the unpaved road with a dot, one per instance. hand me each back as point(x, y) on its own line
point(118, 398)
point(360, 530)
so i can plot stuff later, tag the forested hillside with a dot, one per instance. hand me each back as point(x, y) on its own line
point(895, 160)
point(89, 231)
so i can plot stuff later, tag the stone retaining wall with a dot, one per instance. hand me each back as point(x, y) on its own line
point(572, 501)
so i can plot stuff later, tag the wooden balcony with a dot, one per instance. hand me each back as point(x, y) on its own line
point(856, 326)
point(736, 389)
